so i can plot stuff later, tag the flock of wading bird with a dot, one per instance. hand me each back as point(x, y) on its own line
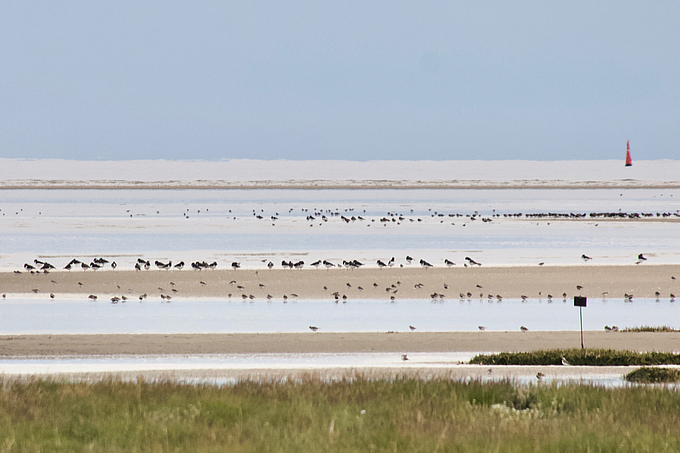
point(44, 267)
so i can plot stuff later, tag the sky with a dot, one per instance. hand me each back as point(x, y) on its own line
point(351, 80)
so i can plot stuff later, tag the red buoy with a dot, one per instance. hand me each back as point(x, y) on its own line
point(629, 161)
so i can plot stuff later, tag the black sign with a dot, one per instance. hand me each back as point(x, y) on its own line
point(580, 301)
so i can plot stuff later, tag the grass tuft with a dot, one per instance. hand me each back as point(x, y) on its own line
point(650, 329)
point(592, 357)
point(646, 375)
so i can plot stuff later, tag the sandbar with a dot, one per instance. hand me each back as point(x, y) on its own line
point(327, 342)
point(408, 283)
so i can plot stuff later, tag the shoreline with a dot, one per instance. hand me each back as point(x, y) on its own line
point(332, 185)
point(409, 283)
point(86, 345)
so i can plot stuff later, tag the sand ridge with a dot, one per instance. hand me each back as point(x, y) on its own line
point(596, 281)
point(328, 342)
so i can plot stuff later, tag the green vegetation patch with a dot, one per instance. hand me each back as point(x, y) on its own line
point(356, 414)
point(650, 329)
point(592, 357)
point(646, 375)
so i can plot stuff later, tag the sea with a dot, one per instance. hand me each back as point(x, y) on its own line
point(494, 219)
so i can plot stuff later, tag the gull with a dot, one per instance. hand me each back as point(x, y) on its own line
point(564, 361)
point(313, 328)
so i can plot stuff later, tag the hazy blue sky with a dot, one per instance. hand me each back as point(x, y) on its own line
point(358, 80)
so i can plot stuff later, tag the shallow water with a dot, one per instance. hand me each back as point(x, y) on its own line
point(72, 316)
point(219, 369)
point(221, 225)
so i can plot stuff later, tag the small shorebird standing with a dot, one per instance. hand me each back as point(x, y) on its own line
point(313, 328)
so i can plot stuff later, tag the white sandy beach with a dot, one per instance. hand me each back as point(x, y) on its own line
point(329, 174)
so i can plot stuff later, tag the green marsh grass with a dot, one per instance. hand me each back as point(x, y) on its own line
point(593, 357)
point(402, 414)
point(646, 375)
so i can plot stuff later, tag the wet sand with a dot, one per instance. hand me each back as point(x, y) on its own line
point(290, 343)
point(412, 282)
